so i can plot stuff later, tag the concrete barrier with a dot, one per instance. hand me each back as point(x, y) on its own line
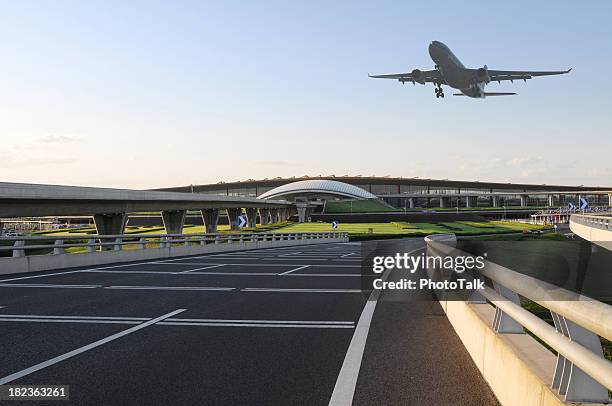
point(36, 263)
point(517, 367)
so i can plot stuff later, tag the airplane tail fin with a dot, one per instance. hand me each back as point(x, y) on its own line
point(490, 94)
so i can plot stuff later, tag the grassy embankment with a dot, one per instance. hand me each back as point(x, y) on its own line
point(405, 229)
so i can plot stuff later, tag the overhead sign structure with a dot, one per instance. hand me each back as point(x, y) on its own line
point(335, 225)
point(584, 204)
point(242, 221)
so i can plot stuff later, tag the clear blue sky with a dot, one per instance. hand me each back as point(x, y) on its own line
point(146, 94)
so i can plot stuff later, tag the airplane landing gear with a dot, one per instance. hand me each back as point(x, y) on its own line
point(439, 91)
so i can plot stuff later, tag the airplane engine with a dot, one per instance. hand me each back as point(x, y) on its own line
point(418, 76)
point(482, 74)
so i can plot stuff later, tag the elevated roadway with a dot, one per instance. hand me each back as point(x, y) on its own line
point(256, 327)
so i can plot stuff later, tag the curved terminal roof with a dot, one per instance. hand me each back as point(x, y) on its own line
point(318, 187)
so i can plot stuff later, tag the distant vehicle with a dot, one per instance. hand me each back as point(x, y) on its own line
point(449, 70)
point(11, 234)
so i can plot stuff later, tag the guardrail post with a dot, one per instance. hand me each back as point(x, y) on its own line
point(502, 323)
point(253, 237)
point(570, 381)
point(18, 250)
point(241, 240)
point(142, 244)
point(57, 250)
point(118, 246)
point(217, 239)
point(91, 245)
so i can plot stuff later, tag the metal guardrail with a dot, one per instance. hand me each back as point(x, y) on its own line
point(603, 222)
point(582, 374)
point(118, 242)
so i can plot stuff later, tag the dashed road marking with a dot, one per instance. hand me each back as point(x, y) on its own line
point(300, 290)
point(293, 270)
point(129, 287)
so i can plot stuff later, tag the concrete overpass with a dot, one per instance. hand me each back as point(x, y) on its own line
point(110, 207)
point(596, 228)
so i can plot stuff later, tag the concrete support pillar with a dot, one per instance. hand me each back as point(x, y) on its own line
point(174, 220)
point(264, 215)
point(210, 217)
point(551, 201)
point(275, 216)
point(610, 200)
point(468, 202)
point(411, 202)
point(110, 224)
point(523, 200)
point(251, 213)
point(494, 201)
point(303, 212)
point(443, 202)
point(232, 216)
point(290, 212)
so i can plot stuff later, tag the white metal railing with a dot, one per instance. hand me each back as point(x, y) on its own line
point(603, 222)
point(57, 245)
point(582, 374)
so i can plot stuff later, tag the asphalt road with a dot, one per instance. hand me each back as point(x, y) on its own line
point(273, 326)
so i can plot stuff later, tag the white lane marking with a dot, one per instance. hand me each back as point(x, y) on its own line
point(72, 321)
point(264, 321)
point(38, 316)
point(297, 290)
point(87, 347)
point(230, 273)
point(296, 259)
point(293, 270)
point(77, 271)
point(344, 390)
point(37, 276)
point(260, 264)
point(46, 285)
point(129, 272)
point(170, 288)
point(233, 256)
point(214, 323)
point(28, 317)
point(171, 323)
point(289, 254)
point(325, 274)
point(347, 255)
point(202, 268)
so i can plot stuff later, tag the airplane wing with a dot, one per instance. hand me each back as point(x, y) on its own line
point(414, 76)
point(499, 75)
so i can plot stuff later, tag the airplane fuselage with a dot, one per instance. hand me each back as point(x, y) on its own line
point(454, 72)
point(470, 82)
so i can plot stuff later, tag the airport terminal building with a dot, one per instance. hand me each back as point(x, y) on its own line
point(427, 193)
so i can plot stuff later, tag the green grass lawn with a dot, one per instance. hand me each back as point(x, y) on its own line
point(402, 228)
point(396, 228)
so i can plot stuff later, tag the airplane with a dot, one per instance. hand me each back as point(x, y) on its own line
point(449, 70)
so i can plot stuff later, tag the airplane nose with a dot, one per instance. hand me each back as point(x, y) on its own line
point(433, 47)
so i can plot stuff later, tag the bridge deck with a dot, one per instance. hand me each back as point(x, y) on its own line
point(258, 327)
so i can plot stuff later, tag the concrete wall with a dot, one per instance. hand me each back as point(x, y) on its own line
point(590, 233)
point(518, 369)
point(35, 263)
